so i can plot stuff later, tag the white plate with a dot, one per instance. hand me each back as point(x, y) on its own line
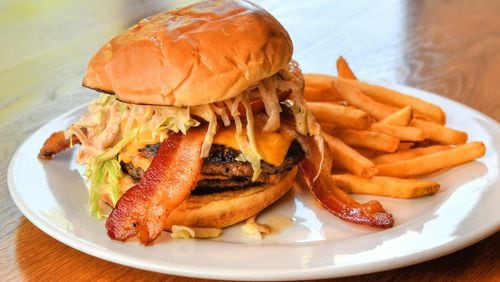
point(52, 196)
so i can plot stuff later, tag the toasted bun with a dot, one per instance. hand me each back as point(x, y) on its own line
point(203, 53)
point(224, 209)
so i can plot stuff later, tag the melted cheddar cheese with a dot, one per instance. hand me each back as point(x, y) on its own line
point(272, 146)
point(130, 154)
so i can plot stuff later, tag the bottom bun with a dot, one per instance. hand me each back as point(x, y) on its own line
point(220, 210)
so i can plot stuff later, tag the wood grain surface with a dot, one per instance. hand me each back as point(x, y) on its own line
point(447, 47)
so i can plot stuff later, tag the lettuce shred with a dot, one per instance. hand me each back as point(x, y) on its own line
point(248, 147)
point(104, 178)
point(207, 113)
point(267, 90)
point(305, 123)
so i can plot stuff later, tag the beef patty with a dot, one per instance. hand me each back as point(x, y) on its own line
point(222, 172)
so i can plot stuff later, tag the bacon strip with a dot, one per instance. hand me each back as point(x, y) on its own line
point(341, 204)
point(332, 198)
point(56, 143)
point(173, 173)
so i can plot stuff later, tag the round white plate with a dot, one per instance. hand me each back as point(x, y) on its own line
point(52, 195)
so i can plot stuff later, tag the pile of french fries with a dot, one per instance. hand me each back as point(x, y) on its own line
point(382, 140)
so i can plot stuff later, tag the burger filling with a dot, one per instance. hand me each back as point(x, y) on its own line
point(222, 171)
point(242, 147)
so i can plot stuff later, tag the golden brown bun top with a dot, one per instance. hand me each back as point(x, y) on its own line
point(207, 52)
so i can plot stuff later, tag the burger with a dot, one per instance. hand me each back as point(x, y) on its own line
point(196, 123)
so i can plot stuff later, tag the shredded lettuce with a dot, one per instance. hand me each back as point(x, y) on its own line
point(95, 176)
point(103, 171)
point(207, 113)
point(104, 179)
point(113, 170)
point(111, 125)
point(267, 90)
point(221, 111)
point(305, 123)
point(253, 152)
point(249, 151)
point(300, 113)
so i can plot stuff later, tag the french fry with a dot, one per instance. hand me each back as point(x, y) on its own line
point(405, 146)
point(425, 143)
point(346, 117)
point(367, 139)
point(404, 133)
point(343, 69)
point(328, 127)
point(344, 103)
point(320, 87)
point(368, 153)
point(318, 79)
point(358, 99)
point(385, 186)
point(439, 133)
point(433, 162)
point(349, 158)
point(315, 94)
point(400, 118)
point(408, 154)
point(381, 94)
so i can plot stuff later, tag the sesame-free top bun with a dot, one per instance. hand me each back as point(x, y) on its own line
point(203, 53)
point(227, 208)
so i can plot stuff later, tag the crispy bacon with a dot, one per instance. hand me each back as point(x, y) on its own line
point(329, 196)
point(341, 204)
point(173, 173)
point(56, 143)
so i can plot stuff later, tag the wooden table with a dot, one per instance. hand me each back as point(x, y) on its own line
point(446, 47)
